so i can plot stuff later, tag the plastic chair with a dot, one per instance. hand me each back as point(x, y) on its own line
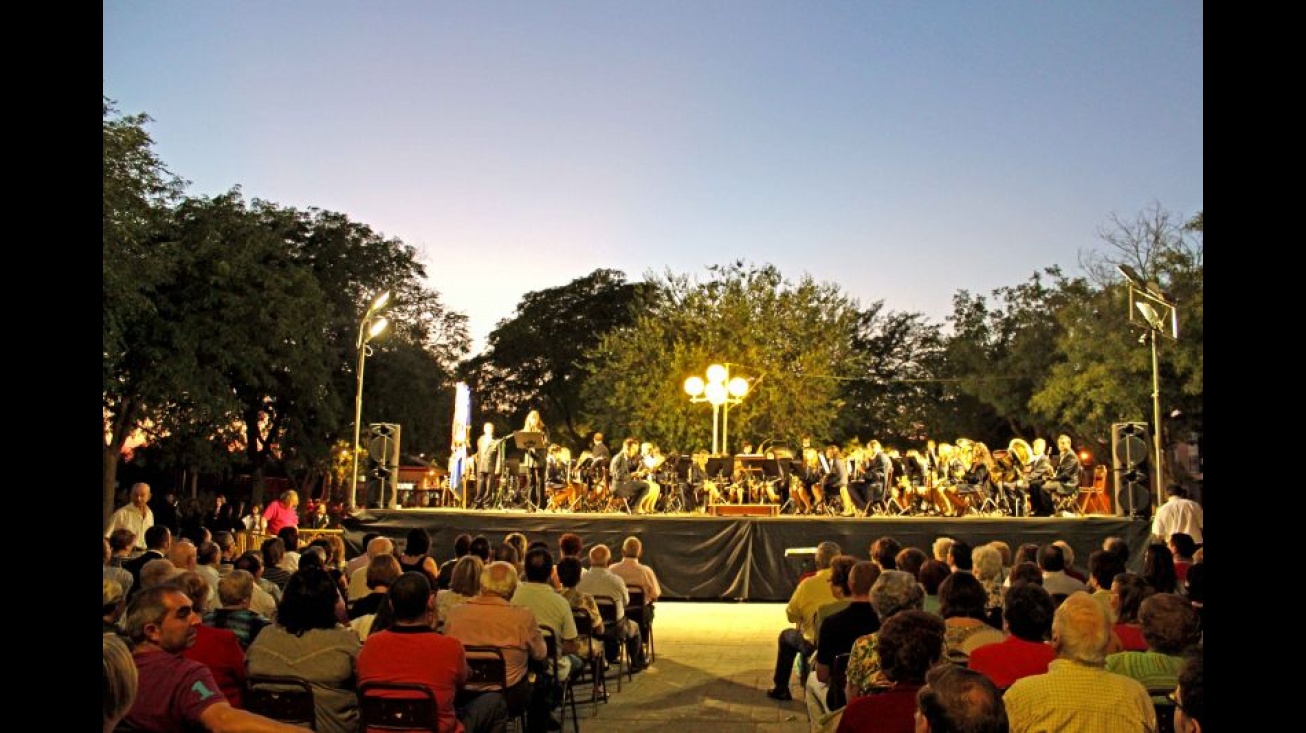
point(489, 671)
point(398, 706)
point(612, 625)
point(287, 699)
point(641, 612)
point(551, 642)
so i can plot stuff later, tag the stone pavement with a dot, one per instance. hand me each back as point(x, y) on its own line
point(712, 669)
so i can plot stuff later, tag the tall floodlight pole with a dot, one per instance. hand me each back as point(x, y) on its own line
point(368, 328)
point(1160, 314)
point(721, 392)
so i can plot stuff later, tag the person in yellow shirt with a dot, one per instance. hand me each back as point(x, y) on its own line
point(807, 599)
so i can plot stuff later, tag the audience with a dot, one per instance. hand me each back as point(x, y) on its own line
point(807, 599)
point(909, 643)
point(120, 681)
point(462, 544)
point(1158, 568)
point(464, 584)
point(992, 575)
point(307, 641)
point(1189, 708)
point(266, 594)
point(382, 572)
point(549, 607)
point(959, 700)
point(1068, 555)
point(599, 580)
point(1171, 629)
point(837, 633)
point(568, 572)
point(1052, 562)
point(218, 649)
point(931, 576)
point(375, 547)
point(1027, 617)
point(1077, 693)
point(414, 558)
point(884, 552)
point(892, 592)
point(236, 594)
point(909, 560)
point(961, 604)
point(1128, 591)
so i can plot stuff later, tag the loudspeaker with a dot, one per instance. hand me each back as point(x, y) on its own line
point(383, 461)
point(1131, 458)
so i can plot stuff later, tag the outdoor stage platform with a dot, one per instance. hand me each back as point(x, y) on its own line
point(699, 557)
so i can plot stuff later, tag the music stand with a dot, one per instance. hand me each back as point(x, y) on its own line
point(528, 441)
point(718, 466)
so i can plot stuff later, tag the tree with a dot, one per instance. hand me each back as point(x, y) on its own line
point(793, 341)
point(138, 190)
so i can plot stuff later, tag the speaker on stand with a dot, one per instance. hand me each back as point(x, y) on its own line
point(1131, 458)
point(383, 463)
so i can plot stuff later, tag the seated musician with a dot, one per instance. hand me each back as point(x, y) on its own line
point(696, 483)
point(1065, 480)
point(1040, 472)
point(979, 474)
point(858, 486)
point(915, 481)
point(879, 472)
point(813, 477)
point(836, 481)
point(651, 460)
point(622, 472)
point(1013, 465)
point(950, 478)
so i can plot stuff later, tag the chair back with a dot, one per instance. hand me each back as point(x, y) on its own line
point(584, 624)
point(488, 669)
point(837, 697)
point(551, 648)
point(283, 698)
point(1164, 708)
point(398, 706)
point(607, 609)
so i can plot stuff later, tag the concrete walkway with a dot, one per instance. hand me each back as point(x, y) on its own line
point(713, 666)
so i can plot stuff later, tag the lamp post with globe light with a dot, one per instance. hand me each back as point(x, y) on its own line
point(722, 392)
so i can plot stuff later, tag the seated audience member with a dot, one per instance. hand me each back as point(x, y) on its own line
point(490, 620)
point(909, 643)
point(1189, 706)
point(1117, 546)
point(119, 681)
point(1197, 588)
point(959, 557)
point(892, 592)
point(207, 558)
point(961, 604)
point(115, 602)
point(307, 641)
point(416, 557)
point(599, 580)
point(462, 544)
point(1158, 568)
point(266, 593)
point(274, 556)
point(235, 592)
point(361, 560)
point(464, 585)
point(175, 693)
point(909, 560)
point(959, 700)
point(1077, 693)
point(634, 572)
point(184, 554)
point(840, 568)
point(316, 557)
point(1068, 555)
point(157, 541)
point(411, 651)
point(1103, 567)
point(226, 543)
point(122, 542)
point(119, 575)
point(931, 576)
point(838, 632)
point(218, 649)
point(1025, 572)
point(1004, 550)
point(290, 538)
point(1027, 552)
point(1171, 629)
point(508, 553)
point(1027, 613)
point(570, 545)
point(1051, 561)
point(382, 572)
point(884, 552)
point(376, 547)
point(549, 607)
point(1182, 549)
point(480, 547)
point(1128, 591)
point(157, 572)
point(992, 575)
point(568, 573)
point(799, 640)
point(939, 548)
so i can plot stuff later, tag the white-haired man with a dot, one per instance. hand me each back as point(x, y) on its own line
point(358, 579)
point(135, 516)
point(1077, 693)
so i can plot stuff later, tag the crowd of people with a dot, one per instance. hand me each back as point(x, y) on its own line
point(987, 640)
point(949, 637)
point(186, 627)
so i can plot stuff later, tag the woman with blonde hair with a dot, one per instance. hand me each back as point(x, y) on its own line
point(119, 680)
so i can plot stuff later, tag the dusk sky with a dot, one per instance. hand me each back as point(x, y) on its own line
point(901, 150)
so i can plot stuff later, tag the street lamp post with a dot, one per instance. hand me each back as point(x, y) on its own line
point(368, 328)
point(1160, 314)
point(722, 393)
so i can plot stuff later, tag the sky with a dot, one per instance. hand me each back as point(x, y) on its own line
point(903, 151)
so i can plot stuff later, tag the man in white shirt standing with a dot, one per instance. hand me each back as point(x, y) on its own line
point(1178, 514)
point(136, 516)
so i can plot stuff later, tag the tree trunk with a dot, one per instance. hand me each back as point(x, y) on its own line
point(109, 455)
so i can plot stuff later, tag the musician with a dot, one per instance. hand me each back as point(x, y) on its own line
point(879, 472)
point(485, 467)
point(915, 480)
point(696, 483)
point(651, 460)
point(624, 471)
point(556, 465)
point(949, 479)
point(535, 459)
point(836, 481)
point(813, 479)
point(981, 472)
point(1039, 472)
point(1066, 479)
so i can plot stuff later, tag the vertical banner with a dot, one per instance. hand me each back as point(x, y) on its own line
point(462, 416)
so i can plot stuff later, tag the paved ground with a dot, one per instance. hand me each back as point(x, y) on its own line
point(712, 669)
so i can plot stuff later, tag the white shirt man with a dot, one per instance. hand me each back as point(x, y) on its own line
point(1178, 514)
point(136, 516)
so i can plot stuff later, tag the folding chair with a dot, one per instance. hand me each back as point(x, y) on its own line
point(489, 671)
point(1094, 497)
point(641, 613)
point(837, 697)
point(404, 706)
point(564, 682)
point(287, 699)
point(585, 630)
point(1164, 707)
point(612, 626)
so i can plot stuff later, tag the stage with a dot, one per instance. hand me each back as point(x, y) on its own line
point(700, 557)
